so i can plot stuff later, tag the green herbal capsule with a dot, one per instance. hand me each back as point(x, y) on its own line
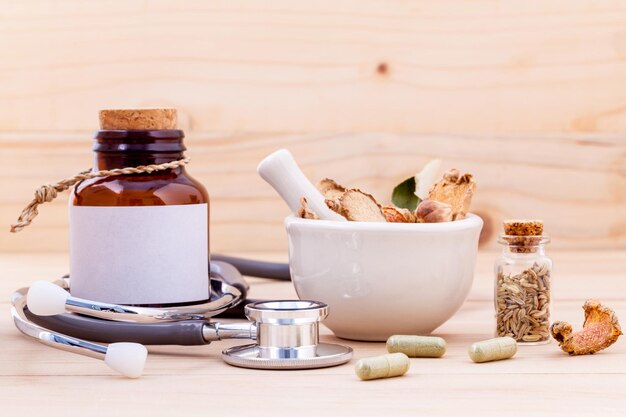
point(493, 349)
point(417, 346)
point(384, 366)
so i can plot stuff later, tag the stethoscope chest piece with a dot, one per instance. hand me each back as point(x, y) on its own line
point(287, 334)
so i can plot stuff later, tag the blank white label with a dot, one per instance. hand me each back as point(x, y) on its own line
point(139, 255)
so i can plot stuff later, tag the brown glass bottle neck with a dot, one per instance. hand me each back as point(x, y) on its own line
point(104, 161)
point(130, 148)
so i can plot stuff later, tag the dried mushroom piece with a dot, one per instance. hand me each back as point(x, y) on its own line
point(330, 189)
point(456, 190)
point(399, 215)
point(355, 205)
point(305, 212)
point(600, 330)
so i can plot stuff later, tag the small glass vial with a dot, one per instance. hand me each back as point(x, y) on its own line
point(522, 283)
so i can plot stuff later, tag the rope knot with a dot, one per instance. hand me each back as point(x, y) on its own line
point(49, 192)
point(45, 194)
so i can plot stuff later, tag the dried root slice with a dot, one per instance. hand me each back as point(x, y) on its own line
point(398, 215)
point(334, 206)
point(330, 189)
point(355, 205)
point(456, 190)
point(305, 212)
point(431, 211)
point(600, 330)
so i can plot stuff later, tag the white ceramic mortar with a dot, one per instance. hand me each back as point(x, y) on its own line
point(381, 279)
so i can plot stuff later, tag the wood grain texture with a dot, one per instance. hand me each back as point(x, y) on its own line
point(454, 66)
point(539, 381)
point(575, 183)
point(529, 96)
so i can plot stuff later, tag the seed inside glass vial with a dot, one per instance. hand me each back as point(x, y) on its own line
point(493, 349)
point(384, 366)
point(417, 346)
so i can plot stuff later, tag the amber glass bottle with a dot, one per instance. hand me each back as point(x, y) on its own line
point(139, 239)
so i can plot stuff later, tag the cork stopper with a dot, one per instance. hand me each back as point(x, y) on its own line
point(523, 227)
point(138, 119)
point(523, 236)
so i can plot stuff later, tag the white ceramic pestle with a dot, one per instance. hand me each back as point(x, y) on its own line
point(281, 171)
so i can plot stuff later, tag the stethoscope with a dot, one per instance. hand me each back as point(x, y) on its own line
point(286, 332)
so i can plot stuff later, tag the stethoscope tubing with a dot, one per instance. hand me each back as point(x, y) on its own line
point(254, 268)
point(182, 333)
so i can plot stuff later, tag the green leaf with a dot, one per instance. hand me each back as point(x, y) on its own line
point(403, 195)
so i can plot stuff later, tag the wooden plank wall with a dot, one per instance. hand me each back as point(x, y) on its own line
point(530, 96)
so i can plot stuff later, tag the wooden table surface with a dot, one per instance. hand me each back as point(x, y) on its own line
point(541, 380)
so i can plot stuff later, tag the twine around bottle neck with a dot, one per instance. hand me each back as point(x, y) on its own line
point(49, 192)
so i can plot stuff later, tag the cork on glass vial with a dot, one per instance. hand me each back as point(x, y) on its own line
point(139, 239)
point(522, 283)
